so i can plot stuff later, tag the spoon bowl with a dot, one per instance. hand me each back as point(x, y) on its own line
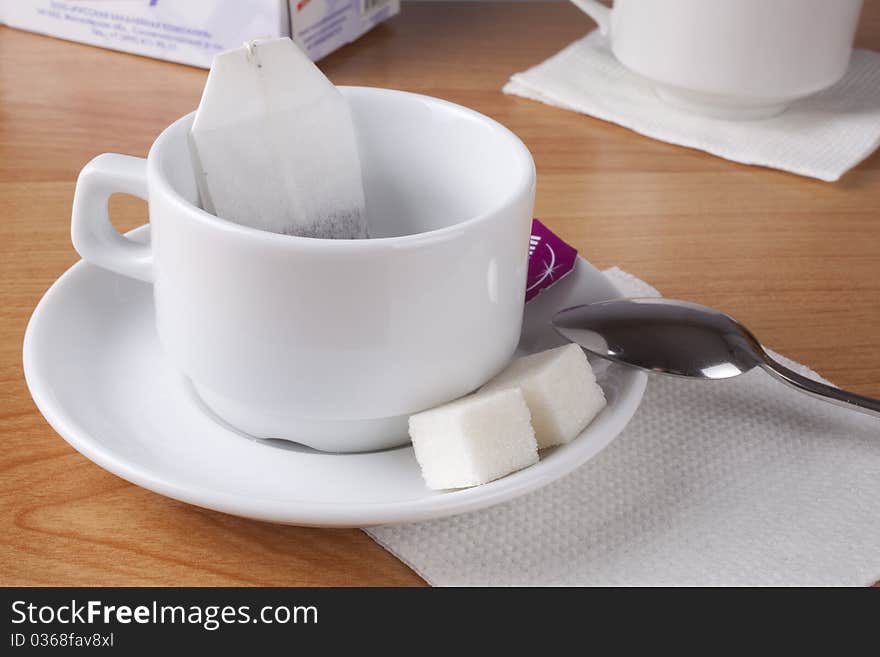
point(680, 338)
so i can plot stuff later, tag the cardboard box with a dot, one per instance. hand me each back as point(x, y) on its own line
point(321, 26)
point(192, 31)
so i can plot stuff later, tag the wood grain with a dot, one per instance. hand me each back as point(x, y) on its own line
point(796, 259)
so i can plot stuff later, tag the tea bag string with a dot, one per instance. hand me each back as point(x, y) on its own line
point(251, 48)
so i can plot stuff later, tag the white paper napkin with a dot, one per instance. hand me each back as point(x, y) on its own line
point(736, 482)
point(822, 136)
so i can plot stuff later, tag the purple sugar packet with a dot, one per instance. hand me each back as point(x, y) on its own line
point(550, 260)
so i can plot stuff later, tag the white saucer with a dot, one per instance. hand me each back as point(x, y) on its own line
point(95, 369)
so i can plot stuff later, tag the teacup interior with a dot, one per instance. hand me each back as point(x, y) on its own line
point(427, 164)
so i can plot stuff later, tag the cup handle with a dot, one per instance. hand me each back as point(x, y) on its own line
point(93, 236)
point(597, 11)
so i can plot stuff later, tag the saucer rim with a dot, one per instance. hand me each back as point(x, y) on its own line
point(311, 512)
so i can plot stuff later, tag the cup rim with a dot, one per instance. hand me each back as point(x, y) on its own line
point(523, 185)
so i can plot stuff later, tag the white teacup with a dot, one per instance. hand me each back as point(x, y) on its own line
point(332, 343)
point(735, 59)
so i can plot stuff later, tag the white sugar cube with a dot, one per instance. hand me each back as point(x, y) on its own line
point(560, 390)
point(473, 440)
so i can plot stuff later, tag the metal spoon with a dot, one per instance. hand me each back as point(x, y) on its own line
point(684, 339)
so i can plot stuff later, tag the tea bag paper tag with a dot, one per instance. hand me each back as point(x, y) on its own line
point(274, 145)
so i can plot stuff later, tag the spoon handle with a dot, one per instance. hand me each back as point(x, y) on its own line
point(820, 390)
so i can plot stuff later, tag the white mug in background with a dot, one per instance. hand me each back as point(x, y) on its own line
point(734, 59)
point(332, 343)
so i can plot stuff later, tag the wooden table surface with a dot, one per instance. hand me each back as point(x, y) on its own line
point(796, 259)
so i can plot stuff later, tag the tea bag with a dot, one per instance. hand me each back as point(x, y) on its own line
point(274, 146)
